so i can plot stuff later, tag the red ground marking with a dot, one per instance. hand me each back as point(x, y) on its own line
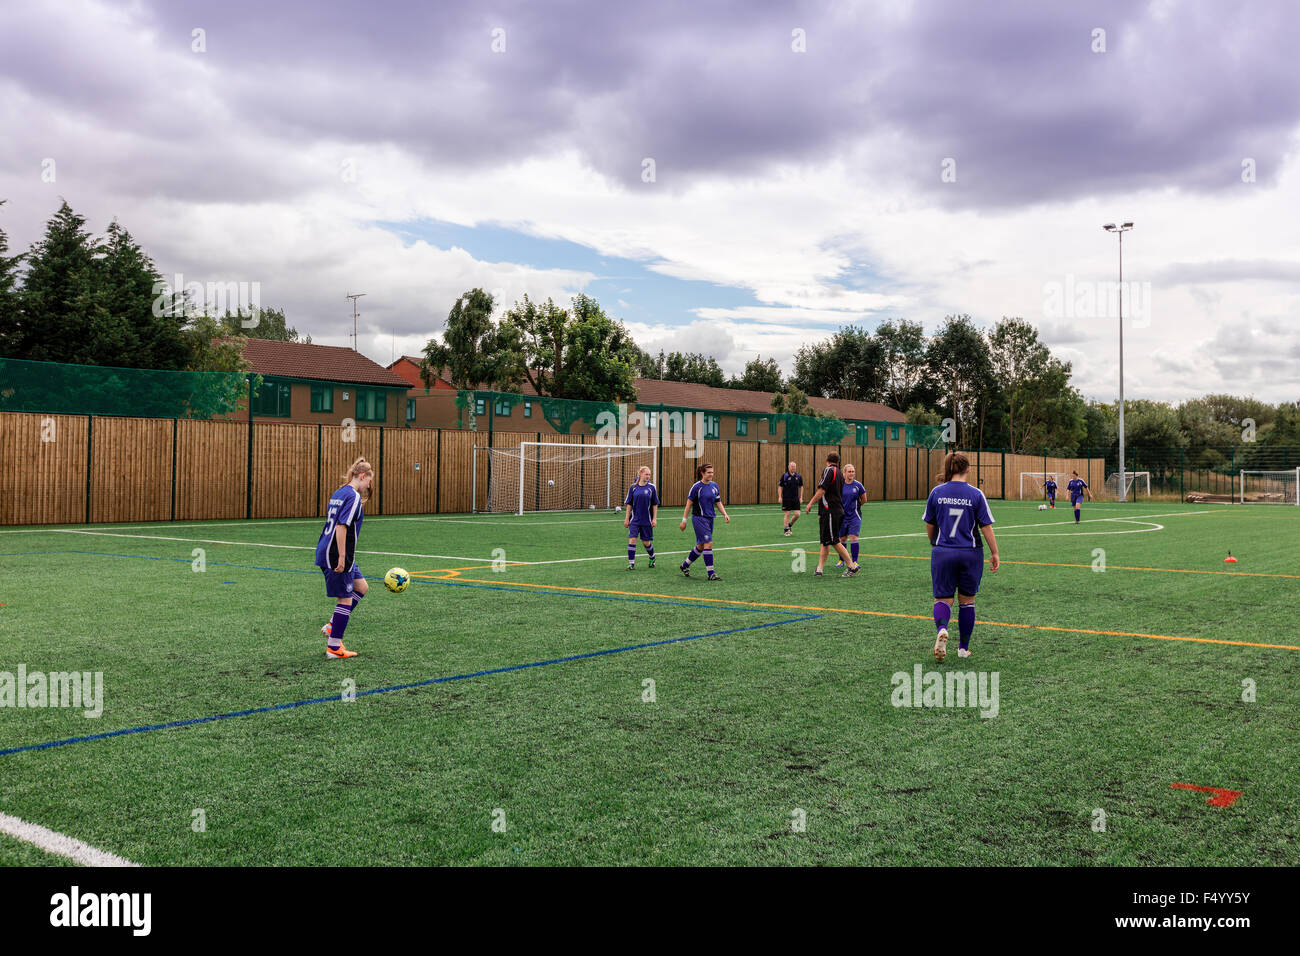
point(1221, 798)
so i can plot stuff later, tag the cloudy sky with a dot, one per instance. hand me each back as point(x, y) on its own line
point(733, 178)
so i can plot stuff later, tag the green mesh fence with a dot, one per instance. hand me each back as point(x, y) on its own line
point(563, 414)
point(57, 388)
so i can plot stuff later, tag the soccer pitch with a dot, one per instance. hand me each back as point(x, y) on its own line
point(558, 709)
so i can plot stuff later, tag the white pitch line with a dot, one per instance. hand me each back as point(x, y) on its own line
point(262, 544)
point(59, 844)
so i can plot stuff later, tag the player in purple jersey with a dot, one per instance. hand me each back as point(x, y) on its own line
point(953, 513)
point(642, 516)
point(701, 500)
point(854, 497)
point(336, 551)
point(1076, 486)
point(1049, 489)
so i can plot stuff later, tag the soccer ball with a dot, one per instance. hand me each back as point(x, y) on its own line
point(550, 482)
point(592, 507)
point(397, 579)
point(1042, 507)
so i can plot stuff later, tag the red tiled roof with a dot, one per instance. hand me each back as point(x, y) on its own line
point(327, 363)
point(689, 395)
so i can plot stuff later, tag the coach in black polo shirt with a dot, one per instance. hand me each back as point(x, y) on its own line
point(791, 495)
point(829, 499)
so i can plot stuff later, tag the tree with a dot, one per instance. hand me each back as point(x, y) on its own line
point(61, 318)
point(793, 401)
point(8, 293)
point(848, 365)
point(958, 358)
point(263, 323)
point(647, 366)
point(578, 354)
point(918, 414)
point(693, 367)
point(903, 345)
point(759, 376)
point(474, 350)
point(150, 333)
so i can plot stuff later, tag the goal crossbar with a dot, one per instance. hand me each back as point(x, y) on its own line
point(559, 476)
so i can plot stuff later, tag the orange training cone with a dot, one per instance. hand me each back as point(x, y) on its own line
point(1229, 559)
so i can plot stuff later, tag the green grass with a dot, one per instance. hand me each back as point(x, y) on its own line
point(747, 726)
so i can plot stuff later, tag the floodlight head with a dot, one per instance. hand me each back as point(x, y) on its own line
point(1128, 225)
point(1109, 227)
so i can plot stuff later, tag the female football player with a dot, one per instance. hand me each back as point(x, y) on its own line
point(335, 553)
point(952, 513)
point(641, 516)
point(703, 498)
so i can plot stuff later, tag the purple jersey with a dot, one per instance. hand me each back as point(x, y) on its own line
point(853, 492)
point(642, 498)
point(704, 496)
point(344, 509)
point(959, 509)
point(1076, 486)
point(1049, 486)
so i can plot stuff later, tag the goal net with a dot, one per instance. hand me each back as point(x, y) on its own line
point(1270, 487)
point(1136, 484)
point(1032, 482)
point(549, 476)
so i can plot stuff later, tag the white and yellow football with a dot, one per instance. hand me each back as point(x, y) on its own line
point(397, 579)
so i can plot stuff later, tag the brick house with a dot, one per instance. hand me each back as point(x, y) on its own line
point(322, 383)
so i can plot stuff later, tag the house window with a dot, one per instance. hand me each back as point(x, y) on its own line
point(863, 434)
point(880, 433)
point(502, 407)
point(372, 405)
point(410, 409)
point(652, 420)
point(480, 406)
point(272, 399)
point(322, 398)
point(893, 433)
point(712, 426)
point(771, 425)
point(528, 409)
point(742, 426)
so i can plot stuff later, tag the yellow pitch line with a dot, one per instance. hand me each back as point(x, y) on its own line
point(915, 617)
point(1056, 564)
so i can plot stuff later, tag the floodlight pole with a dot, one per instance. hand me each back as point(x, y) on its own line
point(1111, 227)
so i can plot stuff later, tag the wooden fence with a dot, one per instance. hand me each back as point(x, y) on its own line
point(69, 469)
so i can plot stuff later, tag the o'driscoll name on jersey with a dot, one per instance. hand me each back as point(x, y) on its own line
point(966, 502)
point(134, 910)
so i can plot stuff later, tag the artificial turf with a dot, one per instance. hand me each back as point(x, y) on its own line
point(773, 703)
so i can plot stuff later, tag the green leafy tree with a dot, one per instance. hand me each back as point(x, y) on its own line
point(649, 366)
point(137, 309)
point(959, 361)
point(475, 351)
point(848, 365)
point(580, 353)
point(263, 323)
point(694, 367)
point(903, 345)
point(918, 414)
point(759, 376)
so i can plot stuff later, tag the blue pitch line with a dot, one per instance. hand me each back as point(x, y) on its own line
point(452, 583)
point(148, 728)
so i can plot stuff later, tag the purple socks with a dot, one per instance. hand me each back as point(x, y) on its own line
point(942, 615)
point(339, 623)
point(966, 623)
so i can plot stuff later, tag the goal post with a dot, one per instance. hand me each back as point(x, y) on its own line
point(1269, 487)
point(1032, 482)
point(1137, 484)
point(557, 476)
